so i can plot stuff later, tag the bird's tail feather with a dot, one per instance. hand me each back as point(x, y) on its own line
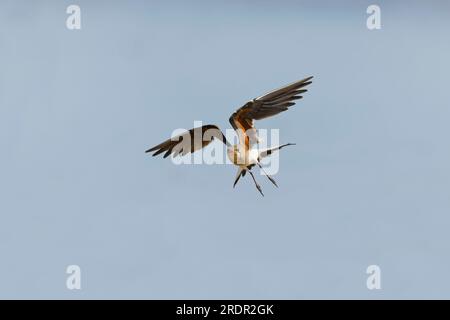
point(268, 152)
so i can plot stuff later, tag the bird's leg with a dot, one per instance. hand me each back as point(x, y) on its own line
point(256, 183)
point(269, 177)
point(239, 174)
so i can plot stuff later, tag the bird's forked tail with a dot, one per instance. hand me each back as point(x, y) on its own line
point(267, 152)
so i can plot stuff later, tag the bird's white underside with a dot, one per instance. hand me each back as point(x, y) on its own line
point(242, 157)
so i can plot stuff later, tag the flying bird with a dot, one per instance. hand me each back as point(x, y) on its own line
point(245, 155)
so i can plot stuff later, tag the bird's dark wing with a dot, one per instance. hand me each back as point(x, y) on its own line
point(190, 141)
point(266, 106)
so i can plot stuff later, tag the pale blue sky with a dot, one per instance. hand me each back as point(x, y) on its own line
point(368, 182)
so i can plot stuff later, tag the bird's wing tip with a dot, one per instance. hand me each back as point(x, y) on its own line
point(151, 149)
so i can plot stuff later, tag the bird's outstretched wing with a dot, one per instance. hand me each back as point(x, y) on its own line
point(190, 141)
point(266, 106)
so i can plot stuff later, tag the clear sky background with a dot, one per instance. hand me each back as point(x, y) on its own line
point(368, 182)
